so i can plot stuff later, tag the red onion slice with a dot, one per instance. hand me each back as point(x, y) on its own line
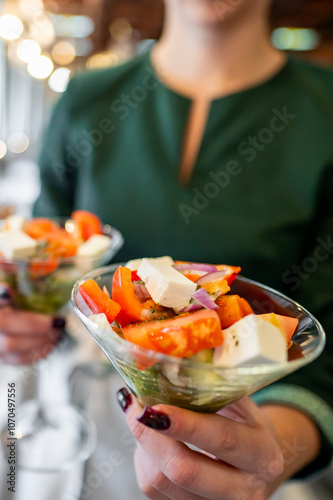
point(207, 278)
point(194, 306)
point(195, 267)
point(202, 297)
point(141, 292)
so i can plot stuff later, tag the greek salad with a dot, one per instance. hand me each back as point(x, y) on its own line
point(186, 310)
point(41, 258)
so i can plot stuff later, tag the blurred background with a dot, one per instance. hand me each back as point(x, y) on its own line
point(43, 43)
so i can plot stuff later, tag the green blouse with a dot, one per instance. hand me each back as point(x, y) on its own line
point(260, 196)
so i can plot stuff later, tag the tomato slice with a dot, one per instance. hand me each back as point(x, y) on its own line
point(231, 272)
point(181, 336)
point(192, 277)
point(135, 276)
point(60, 243)
point(98, 301)
point(41, 268)
point(87, 224)
point(38, 227)
point(232, 308)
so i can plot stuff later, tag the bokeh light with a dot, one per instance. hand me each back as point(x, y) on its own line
point(59, 79)
point(41, 67)
point(29, 7)
point(83, 46)
point(72, 26)
point(102, 60)
point(295, 38)
point(11, 28)
point(28, 50)
point(120, 30)
point(3, 149)
point(18, 142)
point(41, 29)
point(63, 52)
point(70, 226)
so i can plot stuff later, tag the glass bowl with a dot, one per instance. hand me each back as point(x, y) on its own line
point(50, 438)
point(45, 286)
point(196, 385)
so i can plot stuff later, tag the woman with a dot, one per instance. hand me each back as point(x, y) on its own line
point(213, 147)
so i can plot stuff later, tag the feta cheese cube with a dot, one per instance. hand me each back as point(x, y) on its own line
point(16, 245)
point(102, 322)
point(15, 223)
point(134, 264)
point(103, 328)
point(166, 286)
point(251, 340)
point(97, 243)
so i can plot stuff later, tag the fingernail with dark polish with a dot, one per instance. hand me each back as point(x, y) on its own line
point(124, 399)
point(59, 323)
point(154, 419)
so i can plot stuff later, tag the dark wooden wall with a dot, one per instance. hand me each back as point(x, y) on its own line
point(146, 17)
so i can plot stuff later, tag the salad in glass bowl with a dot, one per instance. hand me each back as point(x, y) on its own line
point(198, 336)
point(40, 259)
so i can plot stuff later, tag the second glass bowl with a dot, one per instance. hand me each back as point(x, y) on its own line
point(34, 284)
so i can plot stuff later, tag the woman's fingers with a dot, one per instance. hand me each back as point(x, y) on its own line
point(154, 484)
point(26, 337)
point(143, 482)
point(251, 448)
point(27, 357)
point(187, 469)
point(21, 343)
point(16, 322)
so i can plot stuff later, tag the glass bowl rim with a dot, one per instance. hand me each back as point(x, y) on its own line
point(116, 242)
point(243, 370)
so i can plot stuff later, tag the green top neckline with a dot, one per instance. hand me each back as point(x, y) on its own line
point(275, 78)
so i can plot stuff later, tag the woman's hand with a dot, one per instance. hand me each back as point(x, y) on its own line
point(243, 457)
point(25, 336)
